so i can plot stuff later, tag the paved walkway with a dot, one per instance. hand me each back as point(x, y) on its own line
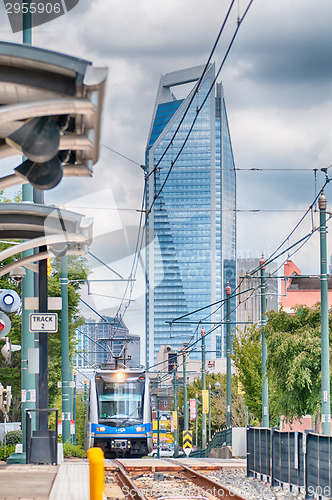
point(27, 482)
point(67, 481)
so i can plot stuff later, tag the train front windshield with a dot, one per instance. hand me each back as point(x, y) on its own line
point(120, 403)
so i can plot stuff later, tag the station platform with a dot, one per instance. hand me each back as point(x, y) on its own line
point(69, 480)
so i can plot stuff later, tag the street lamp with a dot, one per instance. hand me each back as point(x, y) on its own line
point(215, 394)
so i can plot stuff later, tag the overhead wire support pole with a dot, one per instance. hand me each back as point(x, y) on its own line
point(325, 351)
point(176, 430)
point(228, 359)
point(65, 366)
point(185, 398)
point(265, 387)
point(203, 389)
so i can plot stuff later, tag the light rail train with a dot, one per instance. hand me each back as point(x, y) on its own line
point(119, 417)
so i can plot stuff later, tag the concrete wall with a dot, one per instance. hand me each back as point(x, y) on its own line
point(239, 442)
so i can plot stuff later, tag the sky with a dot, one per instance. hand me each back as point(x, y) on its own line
point(278, 89)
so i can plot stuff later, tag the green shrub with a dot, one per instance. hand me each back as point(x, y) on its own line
point(9, 451)
point(13, 437)
point(72, 450)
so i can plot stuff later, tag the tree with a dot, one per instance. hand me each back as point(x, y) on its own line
point(218, 403)
point(294, 360)
point(248, 362)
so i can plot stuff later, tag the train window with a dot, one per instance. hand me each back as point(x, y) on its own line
point(120, 403)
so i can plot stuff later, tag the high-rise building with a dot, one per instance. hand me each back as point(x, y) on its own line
point(249, 291)
point(191, 228)
point(106, 343)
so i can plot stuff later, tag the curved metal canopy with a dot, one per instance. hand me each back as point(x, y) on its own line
point(61, 231)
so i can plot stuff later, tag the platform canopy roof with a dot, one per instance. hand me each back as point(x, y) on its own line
point(59, 232)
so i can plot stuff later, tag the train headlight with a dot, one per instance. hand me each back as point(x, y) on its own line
point(140, 429)
point(100, 429)
point(120, 376)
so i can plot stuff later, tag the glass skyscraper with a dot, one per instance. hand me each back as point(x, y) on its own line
point(191, 228)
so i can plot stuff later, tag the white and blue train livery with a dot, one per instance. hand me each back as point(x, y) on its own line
point(119, 413)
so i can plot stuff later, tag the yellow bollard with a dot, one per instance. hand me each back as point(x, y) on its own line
point(97, 475)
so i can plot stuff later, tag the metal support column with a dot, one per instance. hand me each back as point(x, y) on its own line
point(65, 365)
point(209, 412)
point(203, 389)
point(185, 398)
point(196, 421)
point(265, 386)
point(176, 431)
point(28, 338)
point(325, 354)
point(43, 347)
point(74, 406)
point(228, 359)
point(158, 426)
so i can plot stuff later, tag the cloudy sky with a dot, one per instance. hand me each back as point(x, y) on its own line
point(278, 88)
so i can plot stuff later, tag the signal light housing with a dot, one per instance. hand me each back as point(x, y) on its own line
point(42, 176)
point(9, 301)
point(5, 325)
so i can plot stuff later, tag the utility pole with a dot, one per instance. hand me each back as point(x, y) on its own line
point(176, 431)
point(203, 389)
point(228, 359)
point(185, 405)
point(325, 354)
point(265, 386)
point(65, 366)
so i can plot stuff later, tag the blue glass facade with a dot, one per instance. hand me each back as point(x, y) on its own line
point(191, 230)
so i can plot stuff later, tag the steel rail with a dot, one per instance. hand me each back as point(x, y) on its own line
point(216, 489)
point(125, 482)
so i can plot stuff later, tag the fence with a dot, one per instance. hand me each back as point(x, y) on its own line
point(302, 461)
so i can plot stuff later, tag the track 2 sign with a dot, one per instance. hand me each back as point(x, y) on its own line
point(43, 322)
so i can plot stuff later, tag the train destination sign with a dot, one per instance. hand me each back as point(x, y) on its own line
point(43, 322)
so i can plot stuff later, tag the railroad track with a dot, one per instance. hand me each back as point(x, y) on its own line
point(180, 482)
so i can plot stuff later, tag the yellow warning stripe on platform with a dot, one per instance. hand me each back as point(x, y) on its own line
point(187, 439)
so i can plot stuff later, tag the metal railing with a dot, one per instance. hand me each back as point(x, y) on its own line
point(219, 439)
